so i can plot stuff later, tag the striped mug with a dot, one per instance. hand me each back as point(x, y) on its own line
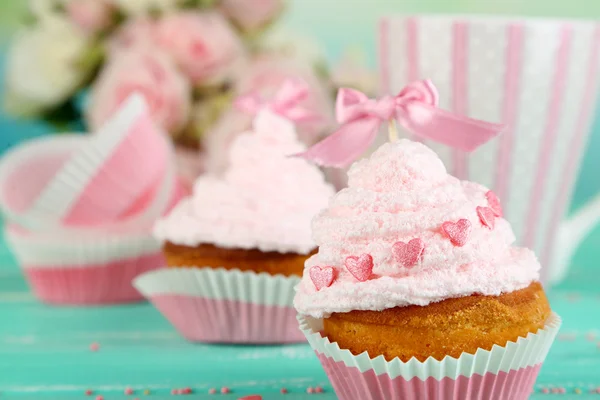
point(537, 76)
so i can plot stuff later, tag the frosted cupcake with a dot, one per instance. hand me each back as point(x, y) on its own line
point(241, 240)
point(257, 215)
point(416, 277)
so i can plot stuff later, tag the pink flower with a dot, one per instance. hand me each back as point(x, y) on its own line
point(134, 34)
point(251, 15)
point(90, 15)
point(202, 43)
point(149, 73)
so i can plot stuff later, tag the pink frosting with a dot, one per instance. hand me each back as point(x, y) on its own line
point(403, 192)
point(265, 200)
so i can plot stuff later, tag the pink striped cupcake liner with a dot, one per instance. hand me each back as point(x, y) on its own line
point(224, 306)
point(84, 269)
point(507, 372)
point(99, 180)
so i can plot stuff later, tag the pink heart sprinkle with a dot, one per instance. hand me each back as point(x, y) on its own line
point(322, 276)
point(487, 216)
point(458, 232)
point(360, 267)
point(494, 203)
point(408, 255)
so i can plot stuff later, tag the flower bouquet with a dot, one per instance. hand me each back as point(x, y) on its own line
point(80, 59)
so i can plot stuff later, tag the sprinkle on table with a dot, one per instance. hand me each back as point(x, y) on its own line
point(89, 392)
point(95, 346)
point(212, 391)
point(147, 392)
point(283, 391)
point(318, 389)
point(310, 390)
point(577, 391)
point(128, 391)
point(99, 397)
point(225, 390)
point(545, 390)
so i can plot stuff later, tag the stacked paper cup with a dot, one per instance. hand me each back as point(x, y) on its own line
point(79, 209)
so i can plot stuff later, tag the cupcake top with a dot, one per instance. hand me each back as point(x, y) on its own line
point(265, 200)
point(405, 232)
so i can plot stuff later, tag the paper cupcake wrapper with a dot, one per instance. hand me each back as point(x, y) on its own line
point(507, 372)
point(83, 270)
point(224, 306)
point(108, 174)
point(26, 169)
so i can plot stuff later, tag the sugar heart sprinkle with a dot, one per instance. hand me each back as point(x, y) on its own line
point(408, 254)
point(457, 232)
point(322, 276)
point(360, 267)
point(494, 203)
point(487, 217)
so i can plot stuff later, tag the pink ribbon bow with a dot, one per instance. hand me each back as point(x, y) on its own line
point(285, 102)
point(414, 108)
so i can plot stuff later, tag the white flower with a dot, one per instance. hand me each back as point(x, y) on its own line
point(44, 9)
point(43, 67)
point(143, 7)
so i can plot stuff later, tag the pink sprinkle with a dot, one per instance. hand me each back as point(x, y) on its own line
point(310, 390)
point(94, 346)
point(283, 391)
point(225, 390)
point(591, 336)
point(128, 391)
point(598, 390)
point(88, 392)
point(174, 391)
point(251, 397)
point(562, 390)
point(186, 390)
point(99, 397)
point(545, 390)
point(318, 389)
point(212, 391)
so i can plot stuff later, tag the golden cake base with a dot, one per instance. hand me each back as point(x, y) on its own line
point(447, 328)
point(206, 255)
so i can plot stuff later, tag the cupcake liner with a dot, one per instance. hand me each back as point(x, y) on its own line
point(507, 372)
point(103, 178)
point(84, 269)
point(25, 170)
point(224, 306)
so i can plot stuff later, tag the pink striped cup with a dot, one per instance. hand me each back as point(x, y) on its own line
point(537, 76)
point(84, 269)
point(224, 306)
point(502, 373)
point(124, 159)
point(93, 266)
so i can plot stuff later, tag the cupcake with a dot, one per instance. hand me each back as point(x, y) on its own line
point(243, 237)
point(416, 291)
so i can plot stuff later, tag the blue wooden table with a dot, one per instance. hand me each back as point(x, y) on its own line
point(45, 351)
